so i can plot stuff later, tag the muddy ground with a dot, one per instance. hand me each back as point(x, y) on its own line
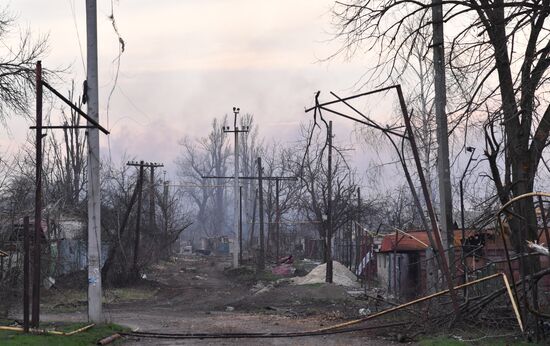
point(199, 294)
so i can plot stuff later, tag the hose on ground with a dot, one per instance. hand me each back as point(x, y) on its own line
point(256, 335)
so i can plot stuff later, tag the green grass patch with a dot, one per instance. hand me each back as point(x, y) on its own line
point(87, 337)
point(70, 300)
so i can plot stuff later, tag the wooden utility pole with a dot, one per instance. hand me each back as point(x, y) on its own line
point(358, 233)
point(277, 221)
point(443, 170)
point(94, 189)
point(152, 201)
point(26, 272)
point(37, 202)
point(261, 259)
point(165, 202)
point(328, 236)
point(141, 165)
point(433, 220)
point(138, 220)
point(251, 235)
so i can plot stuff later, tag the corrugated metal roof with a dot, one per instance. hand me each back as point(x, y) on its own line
point(407, 242)
point(413, 241)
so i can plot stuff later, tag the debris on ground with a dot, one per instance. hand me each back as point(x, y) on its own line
point(364, 312)
point(341, 276)
point(285, 269)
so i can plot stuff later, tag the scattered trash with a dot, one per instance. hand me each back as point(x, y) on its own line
point(538, 248)
point(284, 269)
point(198, 277)
point(187, 250)
point(355, 293)
point(144, 276)
point(48, 282)
point(286, 260)
point(229, 308)
point(264, 290)
point(364, 312)
point(109, 339)
point(258, 286)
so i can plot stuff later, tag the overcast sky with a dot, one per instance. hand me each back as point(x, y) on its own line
point(187, 62)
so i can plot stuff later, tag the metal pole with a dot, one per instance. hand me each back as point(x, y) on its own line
point(427, 198)
point(240, 225)
point(26, 270)
point(329, 207)
point(462, 223)
point(94, 198)
point(261, 260)
point(278, 219)
point(443, 170)
point(138, 220)
point(37, 202)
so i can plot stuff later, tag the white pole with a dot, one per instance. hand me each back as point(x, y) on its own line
point(94, 217)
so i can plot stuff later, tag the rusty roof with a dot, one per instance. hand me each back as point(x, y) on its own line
point(414, 241)
point(417, 240)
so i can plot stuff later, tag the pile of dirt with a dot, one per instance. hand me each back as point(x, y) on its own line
point(340, 276)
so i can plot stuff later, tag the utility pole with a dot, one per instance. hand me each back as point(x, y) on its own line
point(236, 131)
point(37, 202)
point(165, 207)
point(277, 220)
point(152, 201)
point(261, 260)
point(142, 164)
point(94, 190)
point(251, 233)
point(328, 235)
point(358, 233)
point(471, 150)
point(138, 221)
point(26, 270)
point(165, 203)
point(240, 225)
point(409, 134)
point(443, 170)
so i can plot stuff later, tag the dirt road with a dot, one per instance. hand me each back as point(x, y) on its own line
point(195, 294)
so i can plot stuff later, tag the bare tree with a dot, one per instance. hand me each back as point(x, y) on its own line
point(206, 156)
point(505, 49)
point(17, 77)
point(313, 173)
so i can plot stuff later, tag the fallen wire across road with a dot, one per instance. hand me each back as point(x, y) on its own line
point(336, 329)
point(257, 335)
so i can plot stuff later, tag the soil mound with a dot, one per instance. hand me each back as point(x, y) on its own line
point(340, 276)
